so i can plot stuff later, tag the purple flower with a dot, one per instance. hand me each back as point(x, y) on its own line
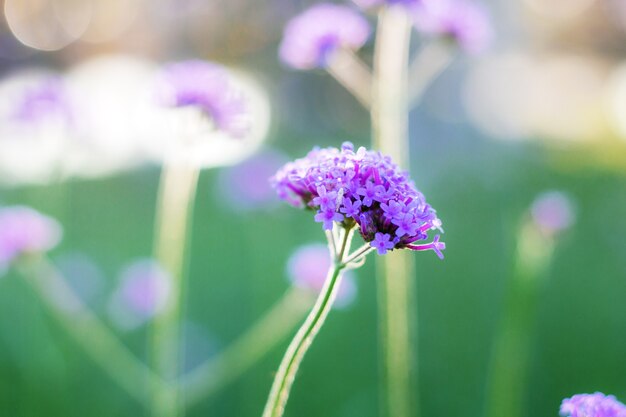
point(144, 289)
point(24, 230)
point(351, 207)
point(371, 192)
point(44, 101)
point(307, 269)
point(208, 87)
point(462, 20)
point(397, 215)
point(592, 405)
point(553, 212)
point(382, 242)
point(244, 187)
point(328, 216)
point(326, 200)
point(312, 36)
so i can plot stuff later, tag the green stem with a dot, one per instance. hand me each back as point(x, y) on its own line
point(88, 331)
point(352, 74)
point(389, 115)
point(508, 378)
point(248, 348)
point(177, 190)
point(290, 363)
point(300, 344)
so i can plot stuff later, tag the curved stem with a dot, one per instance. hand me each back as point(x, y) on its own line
point(389, 114)
point(429, 63)
point(88, 331)
point(251, 346)
point(177, 190)
point(290, 363)
point(300, 344)
point(507, 381)
point(352, 74)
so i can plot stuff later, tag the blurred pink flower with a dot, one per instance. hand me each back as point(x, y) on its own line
point(553, 212)
point(464, 21)
point(25, 230)
point(143, 291)
point(313, 35)
point(307, 269)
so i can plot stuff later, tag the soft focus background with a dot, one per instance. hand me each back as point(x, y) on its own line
point(543, 109)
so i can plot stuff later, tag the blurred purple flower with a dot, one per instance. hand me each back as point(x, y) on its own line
point(24, 230)
point(465, 21)
point(144, 289)
point(312, 36)
point(393, 213)
point(44, 101)
point(307, 269)
point(245, 187)
point(553, 212)
point(208, 87)
point(592, 405)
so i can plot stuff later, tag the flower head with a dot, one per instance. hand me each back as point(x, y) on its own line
point(208, 87)
point(313, 35)
point(464, 21)
point(143, 292)
point(24, 230)
point(46, 100)
point(307, 269)
point(368, 190)
point(553, 212)
point(592, 405)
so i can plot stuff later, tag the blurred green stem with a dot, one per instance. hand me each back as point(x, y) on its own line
point(290, 363)
point(427, 65)
point(249, 348)
point(177, 190)
point(389, 115)
point(88, 331)
point(507, 381)
point(352, 74)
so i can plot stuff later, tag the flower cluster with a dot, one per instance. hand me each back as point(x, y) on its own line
point(208, 87)
point(24, 230)
point(464, 21)
point(312, 36)
point(592, 405)
point(362, 188)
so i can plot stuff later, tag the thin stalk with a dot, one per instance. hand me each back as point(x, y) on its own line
point(352, 74)
point(508, 375)
point(248, 349)
point(91, 334)
point(290, 363)
point(389, 115)
point(427, 65)
point(359, 253)
point(177, 190)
